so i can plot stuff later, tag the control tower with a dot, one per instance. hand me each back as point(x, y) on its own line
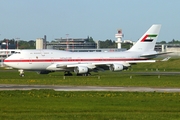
point(119, 36)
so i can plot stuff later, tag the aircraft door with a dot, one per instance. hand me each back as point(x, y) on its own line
point(52, 60)
point(30, 60)
point(42, 53)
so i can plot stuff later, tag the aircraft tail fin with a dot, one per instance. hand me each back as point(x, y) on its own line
point(148, 40)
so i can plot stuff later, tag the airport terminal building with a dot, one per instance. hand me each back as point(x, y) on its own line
point(174, 48)
point(71, 43)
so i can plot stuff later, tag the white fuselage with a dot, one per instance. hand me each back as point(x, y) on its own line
point(42, 59)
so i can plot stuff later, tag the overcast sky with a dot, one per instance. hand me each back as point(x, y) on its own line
point(100, 19)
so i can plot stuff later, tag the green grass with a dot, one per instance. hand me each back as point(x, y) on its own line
point(52, 105)
point(97, 79)
point(48, 104)
point(170, 65)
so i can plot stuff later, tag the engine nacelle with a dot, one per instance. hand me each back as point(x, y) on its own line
point(80, 69)
point(116, 67)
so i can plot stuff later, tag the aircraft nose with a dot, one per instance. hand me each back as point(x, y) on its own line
point(5, 62)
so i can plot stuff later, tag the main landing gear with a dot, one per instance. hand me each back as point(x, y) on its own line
point(67, 73)
point(21, 73)
point(84, 74)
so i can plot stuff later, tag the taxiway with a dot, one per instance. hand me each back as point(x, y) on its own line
point(87, 88)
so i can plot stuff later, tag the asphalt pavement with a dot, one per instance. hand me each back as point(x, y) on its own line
point(87, 88)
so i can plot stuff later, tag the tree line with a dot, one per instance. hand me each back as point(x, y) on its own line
point(21, 44)
point(31, 44)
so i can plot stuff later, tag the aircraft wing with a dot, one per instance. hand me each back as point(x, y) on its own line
point(94, 65)
point(124, 63)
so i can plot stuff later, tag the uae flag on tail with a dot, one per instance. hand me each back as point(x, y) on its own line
point(148, 38)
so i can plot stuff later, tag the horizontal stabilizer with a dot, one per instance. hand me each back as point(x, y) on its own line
point(166, 59)
point(152, 55)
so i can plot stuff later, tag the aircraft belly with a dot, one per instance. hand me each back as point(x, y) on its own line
point(12, 65)
point(34, 66)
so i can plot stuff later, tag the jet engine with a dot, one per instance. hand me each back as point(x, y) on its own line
point(116, 67)
point(80, 69)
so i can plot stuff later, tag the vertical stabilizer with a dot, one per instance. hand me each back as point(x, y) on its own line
point(148, 40)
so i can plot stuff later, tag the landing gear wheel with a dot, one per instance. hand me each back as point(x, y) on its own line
point(67, 73)
point(21, 73)
point(87, 74)
point(84, 74)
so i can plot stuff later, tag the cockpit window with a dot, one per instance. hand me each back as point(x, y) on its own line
point(17, 52)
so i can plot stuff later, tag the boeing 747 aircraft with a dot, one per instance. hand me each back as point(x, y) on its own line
point(46, 61)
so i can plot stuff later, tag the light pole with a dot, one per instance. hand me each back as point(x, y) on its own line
point(17, 42)
point(67, 42)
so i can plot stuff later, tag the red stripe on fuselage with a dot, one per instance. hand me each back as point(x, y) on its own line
point(75, 60)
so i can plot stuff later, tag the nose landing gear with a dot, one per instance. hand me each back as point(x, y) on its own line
point(21, 73)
